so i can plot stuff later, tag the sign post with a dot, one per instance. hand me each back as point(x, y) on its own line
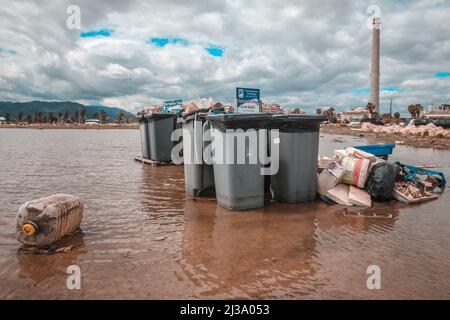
point(248, 100)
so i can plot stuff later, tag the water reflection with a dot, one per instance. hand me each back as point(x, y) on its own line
point(260, 253)
point(381, 215)
point(144, 237)
point(39, 264)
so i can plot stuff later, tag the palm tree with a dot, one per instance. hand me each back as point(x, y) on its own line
point(7, 117)
point(82, 114)
point(103, 116)
point(121, 117)
point(20, 116)
point(396, 115)
point(76, 117)
point(414, 110)
point(372, 110)
point(66, 115)
point(329, 113)
point(318, 111)
point(37, 117)
point(51, 117)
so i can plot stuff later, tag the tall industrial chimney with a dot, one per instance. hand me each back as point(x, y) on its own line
point(375, 68)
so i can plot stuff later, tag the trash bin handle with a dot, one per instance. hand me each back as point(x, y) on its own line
point(206, 124)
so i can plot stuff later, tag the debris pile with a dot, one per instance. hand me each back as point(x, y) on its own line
point(154, 109)
point(356, 178)
point(191, 107)
point(425, 130)
point(408, 193)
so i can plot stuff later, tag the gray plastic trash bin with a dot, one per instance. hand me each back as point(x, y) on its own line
point(160, 128)
point(238, 186)
point(145, 145)
point(296, 180)
point(198, 175)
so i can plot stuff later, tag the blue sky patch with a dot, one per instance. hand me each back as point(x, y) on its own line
point(391, 89)
point(215, 51)
point(358, 91)
point(161, 42)
point(96, 33)
point(8, 52)
point(386, 89)
point(180, 41)
point(442, 74)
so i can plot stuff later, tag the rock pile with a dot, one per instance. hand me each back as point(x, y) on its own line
point(426, 130)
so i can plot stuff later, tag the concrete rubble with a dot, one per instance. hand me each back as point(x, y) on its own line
point(359, 197)
point(412, 130)
point(339, 194)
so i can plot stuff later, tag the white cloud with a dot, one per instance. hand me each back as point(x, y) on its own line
point(305, 53)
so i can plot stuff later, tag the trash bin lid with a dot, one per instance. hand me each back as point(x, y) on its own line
point(200, 113)
point(142, 119)
point(260, 120)
point(159, 116)
point(297, 122)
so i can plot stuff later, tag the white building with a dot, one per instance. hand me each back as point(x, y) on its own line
point(92, 121)
point(352, 114)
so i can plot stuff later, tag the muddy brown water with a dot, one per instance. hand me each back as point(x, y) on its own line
point(142, 237)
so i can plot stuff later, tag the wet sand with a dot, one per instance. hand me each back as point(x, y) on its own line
point(375, 137)
point(142, 237)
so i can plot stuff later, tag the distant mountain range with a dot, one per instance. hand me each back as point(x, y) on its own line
point(29, 108)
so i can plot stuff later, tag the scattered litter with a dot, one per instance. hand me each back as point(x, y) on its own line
point(418, 175)
point(339, 155)
point(359, 197)
point(368, 215)
point(407, 193)
point(327, 200)
point(330, 177)
point(355, 171)
point(381, 181)
point(160, 238)
point(44, 221)
point(356, 177)
point(64, 249)
point(323, 163)
point(378, 150)
point(357, 153)
point(339, 194)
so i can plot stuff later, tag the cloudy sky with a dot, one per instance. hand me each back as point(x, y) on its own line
point(308, 53)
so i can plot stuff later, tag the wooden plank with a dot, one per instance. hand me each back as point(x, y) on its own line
point(153, 163)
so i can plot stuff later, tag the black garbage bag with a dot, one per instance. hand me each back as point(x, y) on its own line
point(381, 180)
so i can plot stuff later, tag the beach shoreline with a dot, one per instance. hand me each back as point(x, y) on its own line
point(70, 126)
point(394, 138)
point(373, 137)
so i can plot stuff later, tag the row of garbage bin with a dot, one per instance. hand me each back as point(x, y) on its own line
point(239, 183)
point(156, 130)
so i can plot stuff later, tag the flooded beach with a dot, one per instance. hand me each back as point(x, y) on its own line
point(143, 238)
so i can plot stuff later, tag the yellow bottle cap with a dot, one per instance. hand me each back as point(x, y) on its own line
point(30, 228)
